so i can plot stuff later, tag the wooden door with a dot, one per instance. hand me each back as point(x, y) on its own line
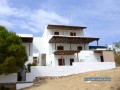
point(61, 62)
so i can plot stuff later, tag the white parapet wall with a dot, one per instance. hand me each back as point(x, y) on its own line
point(96, 65)
point(23, 85)
point(78, 67)
point(11, 78)
point(30, 60)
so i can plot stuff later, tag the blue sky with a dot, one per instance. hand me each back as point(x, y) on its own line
point(101, 17)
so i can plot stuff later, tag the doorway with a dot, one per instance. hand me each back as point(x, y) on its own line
point(101, 57)
point(43, 59)
point(61, 62)
point(71, 61)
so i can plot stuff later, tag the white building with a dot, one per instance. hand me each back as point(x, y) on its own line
point(27, 39)
point(62, 45)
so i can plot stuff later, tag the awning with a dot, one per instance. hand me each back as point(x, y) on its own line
point(72, 39)
point(66, 52)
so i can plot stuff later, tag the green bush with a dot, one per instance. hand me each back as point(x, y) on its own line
point(34, 64)
point(4, 88)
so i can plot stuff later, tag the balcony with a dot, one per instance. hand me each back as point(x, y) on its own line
point(71, 39)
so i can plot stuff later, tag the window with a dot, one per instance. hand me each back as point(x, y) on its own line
point(34, 59)
point(79, 48)
point(101, 57)
point(60, 48)
point(72, 34)
point(56, 33)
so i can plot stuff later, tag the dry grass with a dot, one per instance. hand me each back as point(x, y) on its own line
point(76, 82)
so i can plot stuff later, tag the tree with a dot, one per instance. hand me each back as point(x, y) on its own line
point(117, 59)
point(117, 44)
point(12, 52)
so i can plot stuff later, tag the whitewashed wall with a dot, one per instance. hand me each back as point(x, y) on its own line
point(39, 43)
point(11, 78)
point(89, 56)
point(66, 58)
point(63, 32)
point(30, 60)
point(50, 60)
point(23, 85)
point(29, 48)
point(83, 56)
point(41, 71)
point(66, 46)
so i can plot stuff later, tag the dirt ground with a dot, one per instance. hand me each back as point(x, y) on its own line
point(76, 82)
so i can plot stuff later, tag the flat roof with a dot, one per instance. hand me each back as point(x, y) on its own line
point(72, 39)
point(25, 35)
point(64, 27)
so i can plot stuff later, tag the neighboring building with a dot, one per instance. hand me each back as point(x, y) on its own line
point(113, 48)
point(27, 40)
point(62, 45)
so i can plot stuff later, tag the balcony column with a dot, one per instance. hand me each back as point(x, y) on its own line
point(62, 59)
point(97, 43)
point(77, 58)
point(70, 46)
point(55, 46)
point(84, 46)
point(52, 32)
point(29, 50)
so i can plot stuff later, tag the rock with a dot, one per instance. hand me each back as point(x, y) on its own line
point(88, 81)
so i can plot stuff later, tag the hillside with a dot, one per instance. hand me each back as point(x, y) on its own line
point(76, 82)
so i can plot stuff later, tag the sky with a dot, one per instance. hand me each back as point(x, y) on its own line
point(101, 17)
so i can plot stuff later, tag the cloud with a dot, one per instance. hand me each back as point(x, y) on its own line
point(42, 18)
point(28, 19)
point(4, 8)
point(102, 17)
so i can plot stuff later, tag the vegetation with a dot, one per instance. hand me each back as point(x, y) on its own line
point(29, 66)
point(117, 44)
point(12, 52)
point(117, 59)
point(117, 55)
